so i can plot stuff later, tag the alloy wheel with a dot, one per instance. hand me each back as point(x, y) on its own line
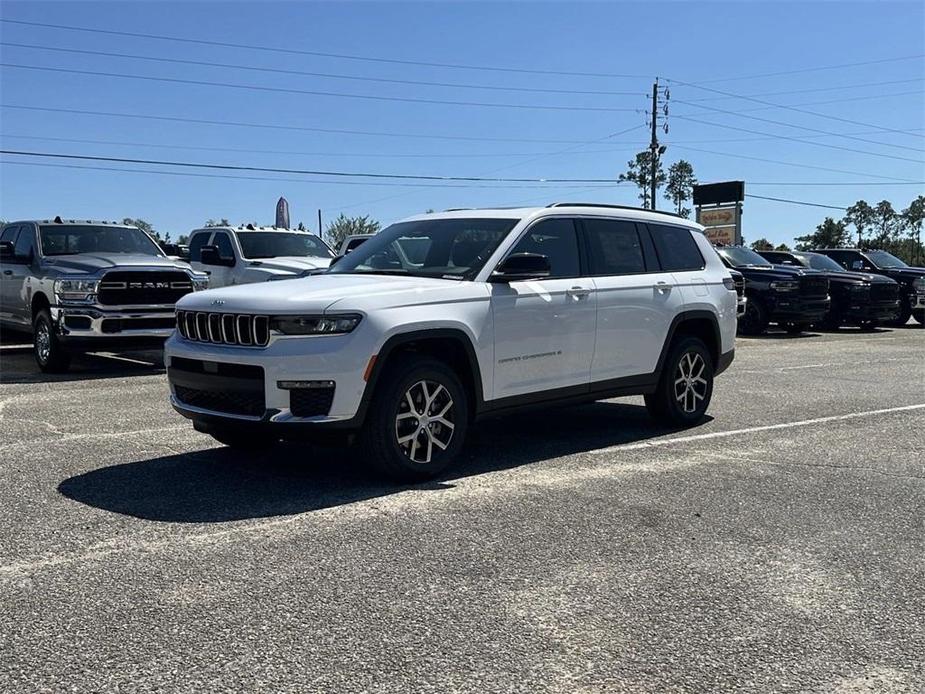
point(690, 387)
point(43, 341)
point(424, 421)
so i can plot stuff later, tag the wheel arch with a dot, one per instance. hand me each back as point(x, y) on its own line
point(701, 324)
point(39, 301)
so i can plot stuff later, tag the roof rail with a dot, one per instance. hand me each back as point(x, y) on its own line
point(613, 207)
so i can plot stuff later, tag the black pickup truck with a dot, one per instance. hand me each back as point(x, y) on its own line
point(911, 279)
point(794, 298)
point(858, 298)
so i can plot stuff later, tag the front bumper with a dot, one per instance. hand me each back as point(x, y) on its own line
point(741, 305)
point(79, 323)
point(870, 311)
point(796, 309)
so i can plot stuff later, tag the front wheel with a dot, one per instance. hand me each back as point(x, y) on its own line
point(417, 420)
point(686, 385)
point(902, 316)
point(755, 319)
point(50, 355)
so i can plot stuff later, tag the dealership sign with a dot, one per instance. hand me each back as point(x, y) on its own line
point(719, 210)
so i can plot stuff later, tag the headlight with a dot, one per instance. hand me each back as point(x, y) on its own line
point(315, 325)
point(919, 283)
point(200, 282)
point(785, 286)
point(77, 290)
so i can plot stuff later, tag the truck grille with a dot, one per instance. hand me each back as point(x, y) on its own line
point(814, 287)
point(242, 330)
point(125, 288)
point(884, 292)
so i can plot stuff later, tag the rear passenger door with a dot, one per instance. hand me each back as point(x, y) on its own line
point(636, 299)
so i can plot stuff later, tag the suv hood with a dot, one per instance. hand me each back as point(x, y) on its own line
point(848, 277)
point(97, 263)
point(288, 264)
point(776, 272)
point(340, 292)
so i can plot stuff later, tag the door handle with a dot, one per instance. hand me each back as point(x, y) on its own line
point(662, 287)
point(578, 292)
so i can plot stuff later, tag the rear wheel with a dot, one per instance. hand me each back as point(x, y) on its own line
point(417, 420)
point(686, 385)
point(50, 355)
point(755, 319)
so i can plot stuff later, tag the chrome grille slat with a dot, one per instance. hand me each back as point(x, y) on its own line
point(240, 330)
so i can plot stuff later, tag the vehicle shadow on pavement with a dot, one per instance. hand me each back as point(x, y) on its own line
point(17, 365)
point(219, 485)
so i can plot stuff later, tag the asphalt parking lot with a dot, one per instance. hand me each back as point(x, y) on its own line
point(777, 547)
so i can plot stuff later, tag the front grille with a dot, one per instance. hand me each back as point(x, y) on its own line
point(126, 288)
point(311, 402)
point(117, 325)
point(224, 328)
point(884, 292)
point(229, 401)
point(740, 285)
point(814, 287)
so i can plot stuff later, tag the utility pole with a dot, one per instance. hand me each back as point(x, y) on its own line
point(653, 146)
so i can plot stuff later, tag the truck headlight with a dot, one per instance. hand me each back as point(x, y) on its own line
point(200, 282)
point(919, 284)
point(315, 325)
point(785, 286)
point(76, 290)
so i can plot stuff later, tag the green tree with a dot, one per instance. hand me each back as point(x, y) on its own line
point(345, 226)
point(680, 186)
point(913, 218)
point(639, 171)
point(886, 225)
point(782, 247)
point(830, 234)
point(861, 216)
point(148, 228)
point(762, 245)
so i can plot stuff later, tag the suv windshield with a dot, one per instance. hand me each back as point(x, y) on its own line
point(739, 256)
point(884, 260)
point(272, 244)
point(69, 239)
point(817, 261)
point(445, 248)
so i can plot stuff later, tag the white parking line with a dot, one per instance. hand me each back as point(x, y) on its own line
point(752, 430)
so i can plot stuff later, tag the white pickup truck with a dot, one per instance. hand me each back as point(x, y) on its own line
point(242, 255)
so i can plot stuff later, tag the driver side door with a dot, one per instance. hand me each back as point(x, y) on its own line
point(545, 328)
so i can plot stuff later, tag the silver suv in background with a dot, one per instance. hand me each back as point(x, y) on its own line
point(85, 286)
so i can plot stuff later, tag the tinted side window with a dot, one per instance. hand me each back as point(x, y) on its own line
point(223, 243)
point(676, 248)
point(9, 233)
point(24, 243)
point(844, 258)
point(614, 247)
point(556, 239)
point(196, 243)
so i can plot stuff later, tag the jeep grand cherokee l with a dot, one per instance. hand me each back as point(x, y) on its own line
point(858, 298)
point(794, 298)
point(500, 310)
point(84, 286)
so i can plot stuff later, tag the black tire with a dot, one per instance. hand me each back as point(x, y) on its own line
point(242, 439)
point(902, 317)
point(830, 322)
point(665, 404)
point(868, 326)
point(392, 418)
point(50, 355)
point(755, 319)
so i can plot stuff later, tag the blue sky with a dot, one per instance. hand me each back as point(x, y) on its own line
point(691, 42)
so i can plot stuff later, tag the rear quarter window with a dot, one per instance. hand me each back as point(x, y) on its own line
point(677, 250)
point(196, 243)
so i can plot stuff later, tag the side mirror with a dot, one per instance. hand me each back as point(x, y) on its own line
point(209, 255)
point(6, 250)
point(522, 266)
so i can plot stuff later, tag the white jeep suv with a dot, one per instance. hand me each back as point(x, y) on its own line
point(443, 319)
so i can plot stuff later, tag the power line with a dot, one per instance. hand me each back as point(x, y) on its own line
point(791, 163)
point(799, 139)
point(271, 126)
point(83, 167)
point(295, 51)
point(796, 202)
point(813, 69)
point(327, 75)
point(796, 109)
point(813, 90)
point(310, 92)
point(305, 172)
